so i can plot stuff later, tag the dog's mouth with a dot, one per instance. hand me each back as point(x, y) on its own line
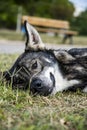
point(42, 92)
point(34, 90)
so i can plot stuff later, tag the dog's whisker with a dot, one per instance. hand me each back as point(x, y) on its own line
point(27, 71)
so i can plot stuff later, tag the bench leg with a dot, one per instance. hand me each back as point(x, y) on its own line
point(67, 36)
point(71, 40)
point(64, 39)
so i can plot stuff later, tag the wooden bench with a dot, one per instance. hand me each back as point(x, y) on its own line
point(51, 25)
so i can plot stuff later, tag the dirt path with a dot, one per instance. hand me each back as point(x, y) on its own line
point(10, 47)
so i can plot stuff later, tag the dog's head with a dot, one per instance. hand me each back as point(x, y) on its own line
point(37, 68)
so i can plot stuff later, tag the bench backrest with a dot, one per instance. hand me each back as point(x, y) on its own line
point(44, 22)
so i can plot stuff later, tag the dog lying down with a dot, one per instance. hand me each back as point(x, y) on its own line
point(45, 71)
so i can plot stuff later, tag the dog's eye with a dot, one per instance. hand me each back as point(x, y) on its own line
point(34, 66)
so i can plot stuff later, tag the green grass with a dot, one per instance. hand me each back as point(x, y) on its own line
point(21, 111)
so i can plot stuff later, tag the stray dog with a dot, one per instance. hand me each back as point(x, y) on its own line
point(46, 71)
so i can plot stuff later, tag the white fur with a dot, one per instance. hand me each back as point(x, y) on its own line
point(85, 90)
point(48, 71)
point(78, 68)
point(62, 83)
point(47, 60)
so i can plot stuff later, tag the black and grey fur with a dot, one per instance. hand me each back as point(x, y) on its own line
point(46, 71)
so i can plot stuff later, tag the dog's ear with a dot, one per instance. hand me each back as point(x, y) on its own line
point(33, 41)
point(63, 56)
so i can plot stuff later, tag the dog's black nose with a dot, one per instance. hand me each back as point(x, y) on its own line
point(36, 85)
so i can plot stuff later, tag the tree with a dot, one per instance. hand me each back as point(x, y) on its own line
point(80, 23)
point(57, 9)
point(62, 9)
point(8, 13)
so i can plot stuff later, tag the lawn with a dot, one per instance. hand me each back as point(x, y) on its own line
point(21, 111)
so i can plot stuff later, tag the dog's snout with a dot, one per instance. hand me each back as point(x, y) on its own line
point(36, 84)
point(40, 86)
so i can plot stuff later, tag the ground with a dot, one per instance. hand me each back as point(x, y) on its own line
point(21, 111)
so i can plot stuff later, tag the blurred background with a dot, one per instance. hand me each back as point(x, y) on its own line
point(74, 11)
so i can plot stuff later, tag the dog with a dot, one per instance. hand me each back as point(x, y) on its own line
point(46, 71)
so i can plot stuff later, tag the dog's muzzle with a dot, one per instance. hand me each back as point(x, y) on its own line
point(37, 86)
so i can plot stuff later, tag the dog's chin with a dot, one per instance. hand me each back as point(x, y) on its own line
point(42, 92)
